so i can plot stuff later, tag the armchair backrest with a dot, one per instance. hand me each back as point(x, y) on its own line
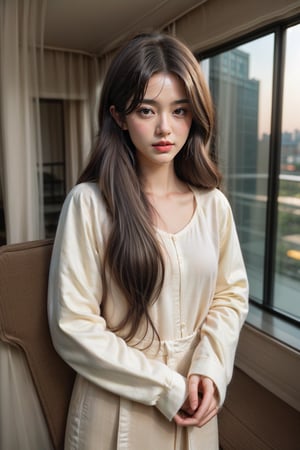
point(23, 322)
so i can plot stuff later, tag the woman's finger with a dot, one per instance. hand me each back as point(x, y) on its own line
point(185, 420)
point(208, 417)
point(194, 382)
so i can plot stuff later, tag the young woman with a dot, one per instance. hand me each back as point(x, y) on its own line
point(148, 290)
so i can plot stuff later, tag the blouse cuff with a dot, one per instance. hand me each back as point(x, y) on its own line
point(172, 400)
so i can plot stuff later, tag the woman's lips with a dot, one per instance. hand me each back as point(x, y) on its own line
point(163, 147)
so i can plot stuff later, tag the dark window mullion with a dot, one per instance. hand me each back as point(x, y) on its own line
point(274, 168)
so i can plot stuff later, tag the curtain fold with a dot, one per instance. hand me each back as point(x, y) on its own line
point(21, 33)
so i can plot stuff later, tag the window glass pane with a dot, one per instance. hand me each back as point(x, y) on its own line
point(241, 86)
point(287, 277)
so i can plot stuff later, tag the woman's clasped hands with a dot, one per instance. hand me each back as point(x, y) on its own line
point(201, 404)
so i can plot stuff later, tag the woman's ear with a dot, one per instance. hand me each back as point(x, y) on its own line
point(117, 117)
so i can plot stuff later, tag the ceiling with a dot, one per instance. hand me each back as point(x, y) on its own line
point(96, 26)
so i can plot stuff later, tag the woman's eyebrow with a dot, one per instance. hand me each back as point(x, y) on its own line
point(176, 102)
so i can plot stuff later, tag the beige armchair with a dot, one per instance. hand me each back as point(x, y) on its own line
point(28, 361)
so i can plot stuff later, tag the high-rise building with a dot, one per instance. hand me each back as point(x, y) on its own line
point(236, 97)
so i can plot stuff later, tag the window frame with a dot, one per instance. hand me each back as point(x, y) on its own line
point(279, 30)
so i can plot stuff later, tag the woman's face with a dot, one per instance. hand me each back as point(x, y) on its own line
point(160, 125)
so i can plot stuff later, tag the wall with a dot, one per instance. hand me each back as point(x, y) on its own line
point(253, 418)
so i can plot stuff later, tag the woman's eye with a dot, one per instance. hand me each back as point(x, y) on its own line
point(145, 111)
point(180, 111)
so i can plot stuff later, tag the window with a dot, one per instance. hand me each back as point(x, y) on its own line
point(256, 91)
point(287, 269)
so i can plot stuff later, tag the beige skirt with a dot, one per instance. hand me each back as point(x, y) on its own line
point(100, 420)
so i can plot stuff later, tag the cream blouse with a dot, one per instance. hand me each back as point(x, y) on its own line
point(205, 294)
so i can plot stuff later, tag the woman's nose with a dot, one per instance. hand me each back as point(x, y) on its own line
point(163, 127)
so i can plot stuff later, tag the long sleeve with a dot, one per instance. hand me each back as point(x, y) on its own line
point(79, 332)
point(214, 356)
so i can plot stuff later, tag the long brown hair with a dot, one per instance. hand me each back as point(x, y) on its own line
point(132, 253)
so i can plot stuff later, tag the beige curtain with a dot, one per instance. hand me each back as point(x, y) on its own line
point(29, 72)
point(22, 424)
point(73, 78)
point(21, 33)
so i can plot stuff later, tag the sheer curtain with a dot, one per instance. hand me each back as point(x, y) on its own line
point(22, 423)
point(21, 35)
point(27, 73)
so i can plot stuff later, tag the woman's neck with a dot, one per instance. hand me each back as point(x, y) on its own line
point(161, 181)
